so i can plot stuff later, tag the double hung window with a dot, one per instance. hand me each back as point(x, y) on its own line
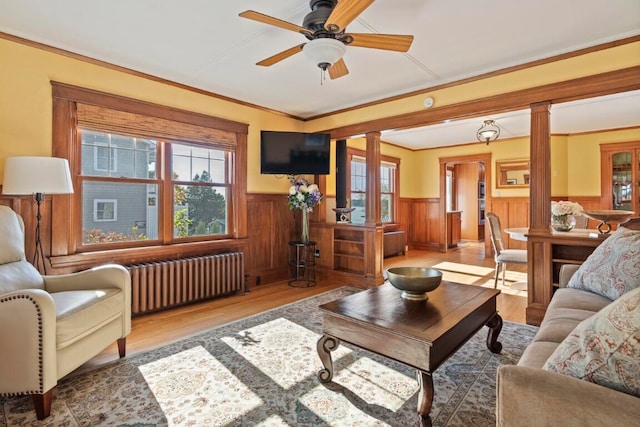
point(145, 175)
point(357, 182)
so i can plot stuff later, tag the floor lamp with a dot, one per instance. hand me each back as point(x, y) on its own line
point(37, 176)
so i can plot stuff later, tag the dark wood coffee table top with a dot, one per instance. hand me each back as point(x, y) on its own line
point(421, 334)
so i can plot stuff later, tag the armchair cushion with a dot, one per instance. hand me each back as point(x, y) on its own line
point(604, 348)
point(19, 275)
point(12, 242)
point(80, 313)
point(613, 268)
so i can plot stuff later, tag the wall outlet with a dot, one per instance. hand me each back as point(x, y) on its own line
point(317, 253)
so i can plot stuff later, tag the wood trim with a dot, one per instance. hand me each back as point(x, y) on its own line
point(128, 256)
point(240, 187)
point(110, 66)
point(607, 150)
point(68, 210)
point(383, 158)
point(623, 80)
point(507, 70)
point(87, 59)
point(540, 166)
point(130, 105)
point(372, 200)
point(472, 158)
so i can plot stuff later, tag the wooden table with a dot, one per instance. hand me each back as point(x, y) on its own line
point(421, 334)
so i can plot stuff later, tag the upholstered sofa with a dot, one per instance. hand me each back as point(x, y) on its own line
point(50, 325)
point(558, 381)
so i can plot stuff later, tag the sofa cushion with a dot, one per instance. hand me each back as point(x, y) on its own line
point(605, 348)
point(537, 353)
point(559, 323)
point(577, 299)
point(613, 268)
point(79, 313)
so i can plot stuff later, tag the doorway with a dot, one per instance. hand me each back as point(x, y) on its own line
point(465, 182)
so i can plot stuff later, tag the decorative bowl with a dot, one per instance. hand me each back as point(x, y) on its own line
point(343, 213)
point(605, 216)
point(414, 282)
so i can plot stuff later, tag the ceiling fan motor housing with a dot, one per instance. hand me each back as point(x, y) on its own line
point(314, 20)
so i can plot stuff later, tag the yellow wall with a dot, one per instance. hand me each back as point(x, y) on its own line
point(429, 164)
point(583, 152)
point(25, 116)
point(407, 164)
point(25, 105)
point(619, 57)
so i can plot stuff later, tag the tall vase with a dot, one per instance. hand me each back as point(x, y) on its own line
point(305, 226)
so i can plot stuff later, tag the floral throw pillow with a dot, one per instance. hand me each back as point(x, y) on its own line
point(613, 268)
point(605, 348)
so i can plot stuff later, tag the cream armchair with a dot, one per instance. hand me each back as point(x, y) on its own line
point(50, 325)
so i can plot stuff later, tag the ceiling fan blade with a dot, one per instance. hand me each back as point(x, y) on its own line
point(281, 55)
point(266, 19)
point(395, 42)
point(344, 13)
point(338, 69)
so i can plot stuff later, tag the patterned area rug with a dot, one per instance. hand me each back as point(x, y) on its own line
point(261, 371)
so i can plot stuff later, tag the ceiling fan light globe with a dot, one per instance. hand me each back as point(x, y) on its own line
point(324, 52)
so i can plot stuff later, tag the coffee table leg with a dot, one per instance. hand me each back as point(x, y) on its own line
point(495, 326)
point(425, 395)
point(326, 344)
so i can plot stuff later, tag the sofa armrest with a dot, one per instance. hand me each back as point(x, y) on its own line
point(28, 336)
point(529, 396)
point(566, 271)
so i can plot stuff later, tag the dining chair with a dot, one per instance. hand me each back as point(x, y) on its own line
point(581, 221)
point(502, 255)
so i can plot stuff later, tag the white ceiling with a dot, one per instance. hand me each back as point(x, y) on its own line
point(204, 44)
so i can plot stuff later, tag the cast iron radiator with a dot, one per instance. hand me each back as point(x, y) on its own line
point(394, 243)
point(163, 284)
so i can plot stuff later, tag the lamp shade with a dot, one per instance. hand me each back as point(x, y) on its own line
point(324, 52)
point(31, 175)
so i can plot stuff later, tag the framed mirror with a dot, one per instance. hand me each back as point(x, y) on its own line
point(512, 173)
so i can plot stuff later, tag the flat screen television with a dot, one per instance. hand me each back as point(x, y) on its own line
point(294, 153)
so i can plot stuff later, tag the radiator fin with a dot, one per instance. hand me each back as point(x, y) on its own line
point(164, 284)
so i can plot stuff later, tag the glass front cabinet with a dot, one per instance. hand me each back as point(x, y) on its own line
point(621, 176)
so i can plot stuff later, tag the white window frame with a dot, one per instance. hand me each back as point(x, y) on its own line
point(114, 202)
point(112, 159)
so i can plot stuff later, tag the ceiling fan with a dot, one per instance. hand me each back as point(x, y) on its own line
point(325, 28)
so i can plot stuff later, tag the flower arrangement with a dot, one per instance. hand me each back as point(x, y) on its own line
point(303, 195)
point(562, 214)
point(565, 207)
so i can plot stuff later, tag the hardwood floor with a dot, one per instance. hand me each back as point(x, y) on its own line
point(465, 264)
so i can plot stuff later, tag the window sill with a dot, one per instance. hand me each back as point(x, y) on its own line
point(129, 256)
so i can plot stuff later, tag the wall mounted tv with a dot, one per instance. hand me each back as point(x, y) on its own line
point(294, 153)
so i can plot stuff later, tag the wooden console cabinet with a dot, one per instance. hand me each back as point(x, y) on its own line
point(350, 252)
point(547, 253)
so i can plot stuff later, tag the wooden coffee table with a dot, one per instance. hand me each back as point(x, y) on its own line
point(421, 334)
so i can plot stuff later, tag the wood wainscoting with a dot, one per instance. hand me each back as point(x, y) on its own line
point(513, 212)
point(420, 218)
point(271, 226)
